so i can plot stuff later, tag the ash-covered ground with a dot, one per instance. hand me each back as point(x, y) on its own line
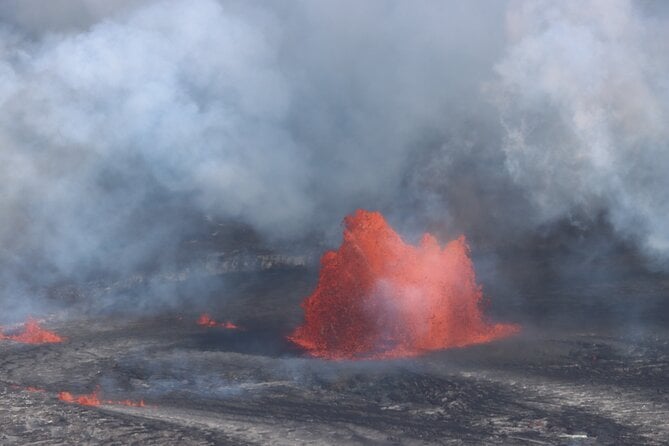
point(590, 367)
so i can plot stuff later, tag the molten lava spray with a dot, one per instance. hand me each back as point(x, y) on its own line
point(378, 297)
point(33, 334)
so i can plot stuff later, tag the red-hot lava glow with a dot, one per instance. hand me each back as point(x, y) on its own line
point(93, 399)
point(33, 334)
point(379, 297)
point(206, 321)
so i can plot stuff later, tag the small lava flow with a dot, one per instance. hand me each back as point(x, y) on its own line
point(33, 333)
point(379, 297)
point(205, 320)
point(93, 399)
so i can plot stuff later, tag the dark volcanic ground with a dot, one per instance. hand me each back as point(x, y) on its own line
point(590, 367)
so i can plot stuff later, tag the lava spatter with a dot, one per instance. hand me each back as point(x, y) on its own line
point(33, 333)
point(205, 320)
point(93, 399)
point(379, 297)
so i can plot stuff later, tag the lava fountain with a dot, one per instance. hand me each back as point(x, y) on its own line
point(33, 333)
point(379, 297)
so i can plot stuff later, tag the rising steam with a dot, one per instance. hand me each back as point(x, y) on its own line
point(123, 125)
point(584, 99)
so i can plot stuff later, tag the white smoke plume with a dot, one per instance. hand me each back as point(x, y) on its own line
point(122, 123)
point(584, 99)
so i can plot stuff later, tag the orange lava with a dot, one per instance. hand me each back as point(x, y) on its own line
point(206, 320)
point(379, 297)
point(33, 334)
point(93, 399)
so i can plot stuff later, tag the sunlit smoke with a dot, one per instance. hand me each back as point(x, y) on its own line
point(127, 124)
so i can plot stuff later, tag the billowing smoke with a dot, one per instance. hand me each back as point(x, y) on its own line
point(124, 124)
point(584, 99)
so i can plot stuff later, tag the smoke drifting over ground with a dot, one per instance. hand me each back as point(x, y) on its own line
point(124, 126)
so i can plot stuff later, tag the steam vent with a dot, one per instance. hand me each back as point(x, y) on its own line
point(334, 222)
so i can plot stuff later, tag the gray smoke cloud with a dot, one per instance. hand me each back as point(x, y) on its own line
point(584, 100)
point(124, 123)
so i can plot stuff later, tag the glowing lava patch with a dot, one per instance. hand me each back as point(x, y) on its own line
point(206, 320)
point(379, 297)
point(93, 399)
point(33, 333)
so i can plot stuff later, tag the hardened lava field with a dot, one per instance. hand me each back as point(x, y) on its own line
point(555, 383)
